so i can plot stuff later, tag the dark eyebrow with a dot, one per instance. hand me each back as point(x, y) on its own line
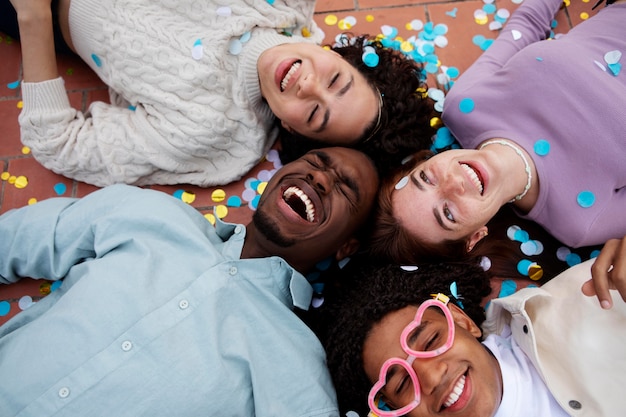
point(328, 162)
point(436, 213)
point(339, 94)
point(410, 341)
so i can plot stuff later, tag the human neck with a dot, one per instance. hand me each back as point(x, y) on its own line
point(524, 169)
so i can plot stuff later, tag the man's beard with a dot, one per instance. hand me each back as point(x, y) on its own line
point(267, 227)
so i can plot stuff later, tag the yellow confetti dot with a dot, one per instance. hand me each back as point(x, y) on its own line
point(369, 18)
point(408, 26)
point(25, 150)
point(399, 39)
point(326, 47)
point(535, 272)
point(584, 15)
point(11, 179)
point(44, 289)
point(406, 46)
point(221, 211)
point(218, 195)
point(210, 217)
point(188, 197)
point(567, 3)
point(585, 1)
point(436, 122)
point(306, 32)
point(482, 20)
point(21, 182)
point(261, 187)
point(32, 201)
point(331, 20)
point(5, 176)
point(20, 104)
point(343, 25)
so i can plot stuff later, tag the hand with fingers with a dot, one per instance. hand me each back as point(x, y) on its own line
point(608, 273)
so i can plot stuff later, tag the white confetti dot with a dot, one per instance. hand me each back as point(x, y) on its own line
point(25, 302)
point(612, 57)
point(224, 11)
point(517, 35)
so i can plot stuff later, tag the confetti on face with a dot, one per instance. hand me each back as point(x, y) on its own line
point(402, 183)
point(586, 199)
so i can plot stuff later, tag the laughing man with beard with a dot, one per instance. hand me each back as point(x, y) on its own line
point(162, 314)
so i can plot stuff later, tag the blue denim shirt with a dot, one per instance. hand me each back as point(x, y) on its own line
point(156, 316)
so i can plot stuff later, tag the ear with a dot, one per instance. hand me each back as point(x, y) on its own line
point(286, 127)
point(464, 321)
point(348, 248)
point(476, 237)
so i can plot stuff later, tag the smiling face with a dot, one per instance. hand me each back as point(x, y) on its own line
point(312, 207)
point(465, 380)
point(450, 196)
point(316, 93)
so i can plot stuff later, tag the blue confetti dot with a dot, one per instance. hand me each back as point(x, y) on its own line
point(13, 85)
point(233, 201)
point(540, 59)
point(178, 194)
point(255, 202)
point(594, 254)
point(486, 44)
point(466, 105)
point(489, 8)
point(60, 188)
point(508, 287)
point(55, 285)
point(523, 265)
point(521, 236)
point(573, 259)
point(542, 147)
point(270, 1)
point(132, 108)
point(452, 13)
point(96, 60)
point(586, 199)
point(371, 59)
point(5, 307)
point(453, 72)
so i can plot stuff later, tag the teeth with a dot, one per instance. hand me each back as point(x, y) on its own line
point(292, 70)
point(456, 392)
point(308, 205)
point(474, 177)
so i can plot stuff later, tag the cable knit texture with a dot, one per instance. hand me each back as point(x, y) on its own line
point(176, 116)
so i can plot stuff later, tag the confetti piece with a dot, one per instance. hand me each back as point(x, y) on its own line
point(402, 183)
point(60, 188)
point(32, 201)
point(25, 302)
point(197, 51)
point(562, 253)
point(523, 266)
point(218, 195)
point(13, 85)
point(188, 197)
point(369, 18)
point(453, 12)
point(409, 268)
point(586, 199)
point(235, 47)
point(508, 287)
point(21, 182)
point(485, 263)
point(573, 259)
point(5, 308)
point(466, 105)
point(330, 20)
point(221, 211)
point(517, 35)
point(542, 147)
point(5, 176)
point(25, 150)
point(535, 272)
point(210, 217)
point(96, 60)
point(224, 11)
point(233, 201)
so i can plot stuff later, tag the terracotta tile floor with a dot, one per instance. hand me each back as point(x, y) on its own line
point(25, 181)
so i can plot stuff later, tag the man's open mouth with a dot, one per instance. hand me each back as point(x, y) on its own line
point(300, 203)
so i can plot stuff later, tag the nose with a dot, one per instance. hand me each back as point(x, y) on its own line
point(308, 86)
point(452, 184)
point(321, 181)
point(430, 374)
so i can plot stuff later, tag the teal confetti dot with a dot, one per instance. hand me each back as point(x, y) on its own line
point(521, 236)
point(594, 254)
point(5, 307)
point(542, 147)
point(245, 37)
point(178, 194)
point(486, 44)
point(466, 105)
point(13, 85)
point(96, 59)
point(508, 287)
point(132, 108)
point(573, 259)
point(453, 12)
point(615, 68)
point(233, 201)
point(586, 199)
point(371, 59)
point(489, 8)
point(453, 72)
point(255, 202)
point(60, 188)
point(540, 59)
point(523, 266)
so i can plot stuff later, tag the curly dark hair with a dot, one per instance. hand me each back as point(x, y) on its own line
point(406, 111)
point(373, 293)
